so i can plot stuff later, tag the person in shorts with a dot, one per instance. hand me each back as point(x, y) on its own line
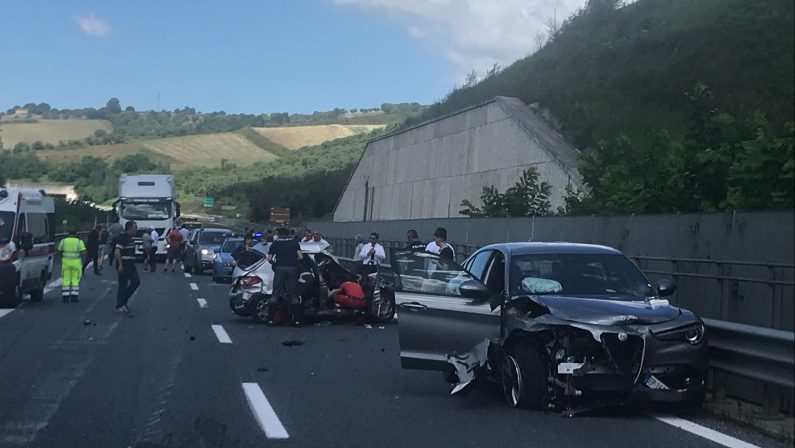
point(174, 241)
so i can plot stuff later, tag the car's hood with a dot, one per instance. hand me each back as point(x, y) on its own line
point(609, 311)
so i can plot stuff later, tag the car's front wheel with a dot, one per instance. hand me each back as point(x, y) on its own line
point(382, 305)
point(524, 376)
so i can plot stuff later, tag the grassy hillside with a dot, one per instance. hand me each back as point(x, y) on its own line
point(294, 137)
point(49, 131)
point(626, 71)
point(178, 152)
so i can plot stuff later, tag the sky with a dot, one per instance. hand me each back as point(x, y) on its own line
point(258, 56)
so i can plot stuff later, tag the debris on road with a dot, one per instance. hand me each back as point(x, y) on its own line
point(86, 322)
point(292, 343)
point(193, 338)
point(262, 369)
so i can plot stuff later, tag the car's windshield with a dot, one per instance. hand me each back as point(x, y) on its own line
point(231, 245)
point(212, 237)
point(6, 226)
point(146, 211)
point(577, 274)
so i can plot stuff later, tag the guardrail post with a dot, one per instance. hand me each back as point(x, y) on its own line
point(724, 299)
point(770, 402)
point(775, 300)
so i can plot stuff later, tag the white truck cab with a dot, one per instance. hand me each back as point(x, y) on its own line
point(27, 245)
point(149, 200)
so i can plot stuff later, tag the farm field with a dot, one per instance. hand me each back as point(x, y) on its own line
point(179, 152)
point(49, 131)
point(294, 137)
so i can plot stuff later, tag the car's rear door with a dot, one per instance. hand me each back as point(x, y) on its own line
point(434, 319)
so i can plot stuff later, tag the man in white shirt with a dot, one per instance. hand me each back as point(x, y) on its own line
point(317, 238)
point(439, 244)
point(155, 237)
point(372, 254)
point(183, 231)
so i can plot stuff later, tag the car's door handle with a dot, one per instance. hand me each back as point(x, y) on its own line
point(413, 306)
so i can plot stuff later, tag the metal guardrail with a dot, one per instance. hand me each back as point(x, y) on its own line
point(761, 354)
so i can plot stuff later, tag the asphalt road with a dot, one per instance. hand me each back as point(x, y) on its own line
point(81, 375)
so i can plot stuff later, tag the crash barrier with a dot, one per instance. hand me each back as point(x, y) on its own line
point(755, 363)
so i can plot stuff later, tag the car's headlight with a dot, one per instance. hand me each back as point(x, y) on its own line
point(205, 251)
point(692, 334)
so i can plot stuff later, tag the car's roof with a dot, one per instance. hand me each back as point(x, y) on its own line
point(522, 248)
point(212, 229)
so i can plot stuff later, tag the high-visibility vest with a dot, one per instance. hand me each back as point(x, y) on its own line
point(70, 248)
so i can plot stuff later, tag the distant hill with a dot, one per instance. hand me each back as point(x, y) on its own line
point(626, 71)
point(49, 131)
point(178, 152)
point(294, 137)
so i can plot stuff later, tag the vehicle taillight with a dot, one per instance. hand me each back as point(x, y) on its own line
point(251, 281)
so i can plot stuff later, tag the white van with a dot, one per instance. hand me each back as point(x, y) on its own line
point(27, 246)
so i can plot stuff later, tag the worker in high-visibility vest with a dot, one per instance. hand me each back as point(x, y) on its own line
point(73, 251)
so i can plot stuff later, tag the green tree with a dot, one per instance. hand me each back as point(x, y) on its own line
point(113, 106)
point(528, 197)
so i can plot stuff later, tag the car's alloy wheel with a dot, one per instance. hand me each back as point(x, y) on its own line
point(511, 381)
point(382, 305)
point(260, 313)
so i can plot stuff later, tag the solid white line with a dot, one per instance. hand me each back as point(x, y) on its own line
point(5, 312)
point(187, 275)
point(202, 303)
point(266, 416)
point(194, 286)
point(53, 284)
point(703, 431)
point(220, 333)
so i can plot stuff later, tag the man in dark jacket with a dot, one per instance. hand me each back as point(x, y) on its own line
point(92, 250)
point(413, 242)
point(284, 254)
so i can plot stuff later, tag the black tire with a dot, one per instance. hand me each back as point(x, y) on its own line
point(381, 307)
point(259, 308)
point(523, 376)
point(11, 297)
point(38, 294)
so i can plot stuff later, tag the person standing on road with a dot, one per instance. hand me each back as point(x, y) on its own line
point(103, 245)
point(269, 236)
point(183, 231)
point(439, 244)
point(174, 242)
point(284, 254)
point(73, 252)
point(92, 250)
point(413, 242)
point(146, 246)
point(372, 254)
point(114, 231)
point(125, 260)
point(317, 238)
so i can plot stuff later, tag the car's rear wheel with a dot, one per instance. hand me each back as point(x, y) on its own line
point(259, 308)
point(382, 305)
point(11, 297)
point(524, 376)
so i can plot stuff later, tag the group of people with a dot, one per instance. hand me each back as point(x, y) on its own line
point(372, 254)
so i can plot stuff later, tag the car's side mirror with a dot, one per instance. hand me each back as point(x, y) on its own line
point(473, 289)
point(665, 287)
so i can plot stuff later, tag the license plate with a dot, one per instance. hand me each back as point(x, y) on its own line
point(652, 382)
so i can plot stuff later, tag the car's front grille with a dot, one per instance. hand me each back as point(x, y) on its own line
point(627, 355)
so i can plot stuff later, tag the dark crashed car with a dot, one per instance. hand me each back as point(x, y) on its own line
point(560, 326)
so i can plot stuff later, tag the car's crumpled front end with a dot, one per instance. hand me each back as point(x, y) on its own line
point(249, 281)
point(631, 351)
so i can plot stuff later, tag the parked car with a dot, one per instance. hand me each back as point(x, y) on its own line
point(565, 326)
point(201, 247)
point(224, 262)
point(320, 271)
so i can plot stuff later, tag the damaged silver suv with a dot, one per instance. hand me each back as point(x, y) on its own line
point(558, 325)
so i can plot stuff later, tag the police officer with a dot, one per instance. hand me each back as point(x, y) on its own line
point(284, 254)
point(73, 253)
point(125, 263)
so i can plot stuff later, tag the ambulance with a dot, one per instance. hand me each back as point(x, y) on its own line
point(27, 246)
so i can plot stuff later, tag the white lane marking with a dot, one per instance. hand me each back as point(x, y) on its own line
point(220, 333)
point(266, 416)
point(5, 312)
point(703, 431)
point(187, 275)
point(202, 303)
point(194, 286)
point(53, 284)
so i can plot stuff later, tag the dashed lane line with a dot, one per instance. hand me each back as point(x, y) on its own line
point(187, 275)
point(202, 303)
point(221, 334)
point(194, 286)
point(52, 285)
point(704, 432)
point(264, 413)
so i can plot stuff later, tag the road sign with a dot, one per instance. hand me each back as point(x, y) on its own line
point(279, 215)
point(209, 202)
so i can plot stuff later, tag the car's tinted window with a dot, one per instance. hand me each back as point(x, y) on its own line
point(6, 226)
point(231, 245)
point(37, 226)
point(579, 274)
point(477, 265)
point(211, 237)
point(426, 273)
point(494, 278)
